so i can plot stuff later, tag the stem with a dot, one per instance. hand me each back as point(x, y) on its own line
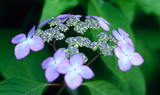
point(53, 45)
point(54, 84)
point(94, 58)
point(60, 91)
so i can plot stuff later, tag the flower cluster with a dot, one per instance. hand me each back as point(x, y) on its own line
point(70, 61)
point(24, 44)
point(73, 68)
point(125, 51)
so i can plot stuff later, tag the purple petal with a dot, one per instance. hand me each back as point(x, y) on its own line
point(31, 32)
point(117, 35)
point(127, 49)
point(51, 73)
point(88, 16)
point(124, 64)
point(73, 80)
point(22, 50)
point(64, 67)
point(95, 17)
point(76, 60)
point(19, 38)
point(63, 16)
point(129, 41)
point(136, 59)
point(85, 72)
point(103, 25)
point(122, 42)
point(118, 52)
point(59, 56)
point(48, 63)
point(123, 33)
point(78, 16)
point(44, 22)
point(36, 43)
point(102, 19)
point(125, 41)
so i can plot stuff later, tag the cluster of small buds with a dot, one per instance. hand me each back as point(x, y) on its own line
point(54, 22)
point(70, 61)
point(104, 37)
point(81, 27)
point(70, 51)
point(92, 23)
point(94, 45)
point(103, 40)
point(73, 20)
point(49, 34)
point(78, 41)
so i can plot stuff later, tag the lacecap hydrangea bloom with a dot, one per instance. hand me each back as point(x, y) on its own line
point(70, 61)
point(22, 49)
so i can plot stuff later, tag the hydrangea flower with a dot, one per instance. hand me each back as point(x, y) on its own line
point(122, 37)
point(51, 63)
point(63, 17)
point(127, 57)
point(102, 22)
point(75, 71)
point(24, 44)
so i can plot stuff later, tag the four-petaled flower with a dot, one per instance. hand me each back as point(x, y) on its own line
point(127, 57)
point(51, 63)
point(24, 44)
point(122, 37)
point(102, 22)
point(75, 71)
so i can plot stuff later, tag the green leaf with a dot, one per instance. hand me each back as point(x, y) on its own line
point(21, 86)
point(55, 7)
point(149, 6)
point(117, 20)
point(102, 87)
point(28, 67)
point(128, 7)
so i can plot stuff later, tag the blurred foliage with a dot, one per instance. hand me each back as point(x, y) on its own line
point(21, 87)
point(140, 18)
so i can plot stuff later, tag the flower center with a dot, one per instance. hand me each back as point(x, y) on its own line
point(74, 69)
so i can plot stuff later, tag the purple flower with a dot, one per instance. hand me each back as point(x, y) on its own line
point(24, 44)
point(122, 37)
point(127, 57)
point(75, 71)
point(102, 22)
point(51, 63)
point(63, 17)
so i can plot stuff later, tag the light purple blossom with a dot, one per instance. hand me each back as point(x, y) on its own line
point(102, 22)
point(127, 57)
point(24, 44)
point(75, 71)
point(63, 17)
point(122, 37)
point(51, 63)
